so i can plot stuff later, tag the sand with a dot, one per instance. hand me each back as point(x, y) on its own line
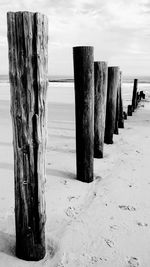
point(104, 223)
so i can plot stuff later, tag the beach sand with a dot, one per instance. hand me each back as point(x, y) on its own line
point(103, 224)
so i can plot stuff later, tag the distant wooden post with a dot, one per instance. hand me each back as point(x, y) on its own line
point(134, 95)
point(100, 86)
point(84, 107)
point(27, 44)
point(113, 80)
point(142, 95)
point(124, 115)
point(121, 116)
point(129, 110)
point(137, 98)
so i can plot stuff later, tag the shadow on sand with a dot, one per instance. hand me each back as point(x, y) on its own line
point(7, 244)
point(59, 173)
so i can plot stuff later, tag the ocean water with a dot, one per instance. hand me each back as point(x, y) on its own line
point(63, 92)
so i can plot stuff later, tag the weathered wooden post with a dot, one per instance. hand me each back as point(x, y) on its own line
point(116, 131)
point(113, 80)
point(129, 110)
point(100, 89)
point(134, 95)
point(28, 44)
point(125, 115)
point(137, 98)
point(142, 95)
point(121, 116)
point(84, 107)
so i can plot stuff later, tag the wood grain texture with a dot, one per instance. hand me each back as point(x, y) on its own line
point(116, 130)
point(113, 80)
point(28, 46)
point(84, 109)
point(121, 116)
point(100, 93)
point(134, 95)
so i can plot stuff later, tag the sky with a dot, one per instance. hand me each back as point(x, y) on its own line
point(119, 30)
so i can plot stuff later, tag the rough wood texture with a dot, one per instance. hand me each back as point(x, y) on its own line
point(134, 95)
point(121, 116)
point(100, 90)
point(116, 131)
point(84, 107)
point(113, 80)
point(28, 44)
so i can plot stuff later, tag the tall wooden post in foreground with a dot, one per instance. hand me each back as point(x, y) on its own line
point(28, 43)
point(113, 80)
point(134, 95)
point(84, 107)
point(100, 89)
point(121, 116)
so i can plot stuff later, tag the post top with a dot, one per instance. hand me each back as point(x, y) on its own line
point(114, 67)
point(9, 13)
point(83, 47)
point(102, 62)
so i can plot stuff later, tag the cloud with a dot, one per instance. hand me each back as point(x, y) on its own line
point(118, 29)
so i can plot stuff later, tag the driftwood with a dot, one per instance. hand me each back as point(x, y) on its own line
point(28, 43)
point(84, 107)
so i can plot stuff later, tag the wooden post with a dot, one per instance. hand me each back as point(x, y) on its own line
point(137, 98)
point(124, 115)
point(113, 80)
point(129, 110)
point(142, 95)
point(116, 131)
point(84, 108)
point(27, 44)
point(134, 95)
point(121, 116)
point(100, 86)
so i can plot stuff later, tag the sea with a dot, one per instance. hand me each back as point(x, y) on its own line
point(61, 89)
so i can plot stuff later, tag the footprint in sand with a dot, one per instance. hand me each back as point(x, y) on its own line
point(73, 197)
point(52, 248)
point(142, 224)
point(133, 262)
point(71, 212)
point(93, 259)
point(113, 227)
point(124, 207)
point(109, 242)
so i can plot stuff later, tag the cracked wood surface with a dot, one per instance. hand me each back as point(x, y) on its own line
point(27, 50)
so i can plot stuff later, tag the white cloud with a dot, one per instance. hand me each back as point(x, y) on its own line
point(118, 29)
